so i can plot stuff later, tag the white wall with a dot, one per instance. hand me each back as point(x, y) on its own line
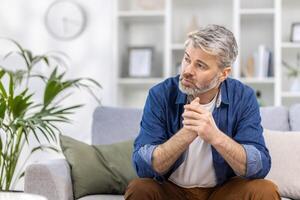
point(91, 52)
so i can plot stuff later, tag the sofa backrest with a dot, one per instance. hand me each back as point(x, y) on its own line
point(294, 117)
point(275, 118)
point(281, 118)
point(112, 125)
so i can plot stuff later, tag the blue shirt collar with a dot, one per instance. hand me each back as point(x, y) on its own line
point(223, 98)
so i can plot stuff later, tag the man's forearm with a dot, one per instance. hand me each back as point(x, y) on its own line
point(232, 152)
point(166, 154)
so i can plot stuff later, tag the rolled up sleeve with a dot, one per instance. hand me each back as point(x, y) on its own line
point(146, 152)
point(254, 161)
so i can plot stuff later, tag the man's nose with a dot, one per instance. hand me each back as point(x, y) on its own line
point(188, 69)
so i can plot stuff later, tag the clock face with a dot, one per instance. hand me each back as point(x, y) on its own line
point(65, 19)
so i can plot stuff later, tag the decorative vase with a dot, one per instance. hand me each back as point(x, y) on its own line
point(295, 86)
point(193, 25)
point(150, 5)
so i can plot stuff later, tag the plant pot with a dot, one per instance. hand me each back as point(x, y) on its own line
point(295, 86)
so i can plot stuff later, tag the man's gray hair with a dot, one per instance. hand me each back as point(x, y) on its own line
point(215, 40)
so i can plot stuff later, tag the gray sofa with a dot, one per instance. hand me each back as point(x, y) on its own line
point(52, 179)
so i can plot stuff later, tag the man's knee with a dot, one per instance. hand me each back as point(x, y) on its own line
point(240, 188)
point(264, 189)
point(142, 188)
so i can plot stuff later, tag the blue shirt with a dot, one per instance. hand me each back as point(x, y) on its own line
point(236, 114)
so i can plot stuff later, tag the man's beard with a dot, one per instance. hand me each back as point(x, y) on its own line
point(195, 91)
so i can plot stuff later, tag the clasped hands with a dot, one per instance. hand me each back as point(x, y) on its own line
point(200, 121)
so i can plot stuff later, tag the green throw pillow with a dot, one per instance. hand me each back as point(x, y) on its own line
point(98, 169)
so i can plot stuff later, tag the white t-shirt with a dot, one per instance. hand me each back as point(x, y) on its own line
point(197, 169)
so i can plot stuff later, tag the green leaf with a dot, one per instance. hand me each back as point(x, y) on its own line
point(45, 147)
point(53, 126)
point(26, 133)
point(9, 54)
point(46, 60)
point(63, 111)
point(0, 146)
point(16, 43)
point(50, 132)
point(2, 108)
point(2, 90)
point(55, 85)
point(37, 59)
point(94, 82)
point(18, 76)
point(19, 105)
point(28, 55)
point(35, 134)
point(2, 72)
point(22, 175)
point(11, 86)
point(45, 132)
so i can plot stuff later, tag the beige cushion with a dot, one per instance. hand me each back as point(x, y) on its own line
point(284, 149)
point(102, 197)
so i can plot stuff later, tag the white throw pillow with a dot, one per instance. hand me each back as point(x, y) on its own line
point(284, 149)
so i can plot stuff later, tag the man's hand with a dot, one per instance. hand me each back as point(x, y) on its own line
point(200, 121)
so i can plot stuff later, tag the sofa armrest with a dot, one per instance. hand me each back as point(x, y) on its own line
point(51, 179)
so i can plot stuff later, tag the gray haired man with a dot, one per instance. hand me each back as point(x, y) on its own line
point(201, 134)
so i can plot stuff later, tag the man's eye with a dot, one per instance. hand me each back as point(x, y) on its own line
point(201, 66)
point(186, 59)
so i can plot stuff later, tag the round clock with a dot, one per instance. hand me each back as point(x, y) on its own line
point(65, 19)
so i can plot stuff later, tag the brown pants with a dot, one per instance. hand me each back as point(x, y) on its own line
point(235, 189)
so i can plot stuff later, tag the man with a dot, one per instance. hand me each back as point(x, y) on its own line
point(201, 134)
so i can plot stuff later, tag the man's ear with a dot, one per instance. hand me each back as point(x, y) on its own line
point(225, 73)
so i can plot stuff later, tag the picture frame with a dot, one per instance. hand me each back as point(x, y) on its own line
point(140, 61)
point(295, 32)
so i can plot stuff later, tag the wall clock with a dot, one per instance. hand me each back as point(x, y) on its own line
point(65, 19)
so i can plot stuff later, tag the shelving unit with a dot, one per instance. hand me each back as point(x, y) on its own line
point(291, 45)
point(258, 80)
point(256, 26)
point(257, 11)
point(289, 14)
point(255, 22)
point(139, 81)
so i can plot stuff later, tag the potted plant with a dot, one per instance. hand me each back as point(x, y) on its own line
point(294, 73)
point(21, 116)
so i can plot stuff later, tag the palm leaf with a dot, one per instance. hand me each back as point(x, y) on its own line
point(55, 85)
point(38, 59)
point(11, 86)
point(21, 116)
point(2, 108)
point(19, 105)
point(2, 90)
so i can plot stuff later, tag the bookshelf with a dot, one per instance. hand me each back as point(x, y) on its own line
point(164, 27)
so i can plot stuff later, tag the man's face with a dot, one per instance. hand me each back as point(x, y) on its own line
point(199, 71)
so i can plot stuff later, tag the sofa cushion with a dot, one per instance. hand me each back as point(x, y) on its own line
point(102, 197)
point(118, 197)
point(112, 125)
point(98, 169)
point(284, 150)
point(294, 116)
point(275, 118)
